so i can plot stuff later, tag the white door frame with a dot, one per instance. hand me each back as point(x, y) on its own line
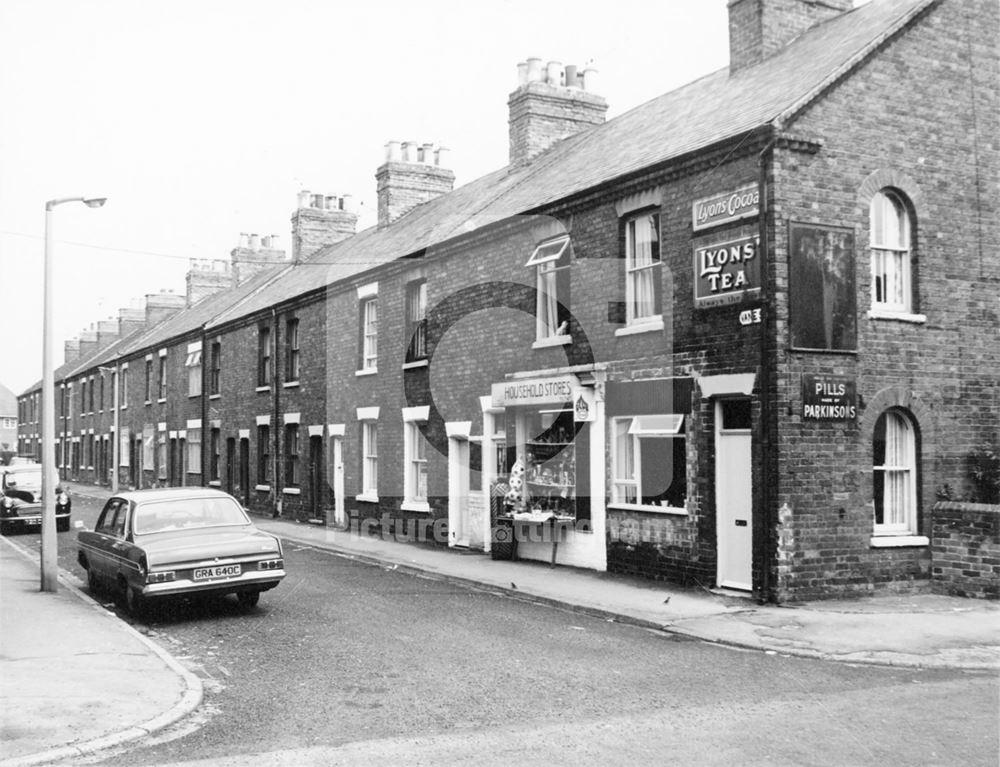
point(458, 482)
point(336, 434)
point(733, 504)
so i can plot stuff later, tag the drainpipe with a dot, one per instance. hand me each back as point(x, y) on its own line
point(206, 427)
point(276, 417)
point(769, 560)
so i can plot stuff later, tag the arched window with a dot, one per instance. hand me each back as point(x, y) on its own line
point(894, 479)
point(892, 279)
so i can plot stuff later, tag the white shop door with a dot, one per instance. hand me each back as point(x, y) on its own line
point(733, 493)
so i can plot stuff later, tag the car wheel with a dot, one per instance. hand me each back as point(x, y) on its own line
point(4, 528)
point(135, 602)
point(248, 599)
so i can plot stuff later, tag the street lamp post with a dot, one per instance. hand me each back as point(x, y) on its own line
point(50, 566)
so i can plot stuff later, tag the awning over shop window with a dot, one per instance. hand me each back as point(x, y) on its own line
point(656, 425)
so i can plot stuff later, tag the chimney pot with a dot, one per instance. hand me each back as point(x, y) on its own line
point(554, 73)
point(534, 69)
point(572, 78)
point(304, 197)
point(522, 73)
point(254, 242)
point(590, 79)
point(392, 151)
point(409, 151)
point(428, 154)
point(441, 157)
point(244, 239)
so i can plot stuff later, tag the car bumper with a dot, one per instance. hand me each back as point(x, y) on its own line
point(252, 581)
point(31, 519)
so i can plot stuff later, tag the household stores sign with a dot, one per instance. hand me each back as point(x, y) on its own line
point(727, 272)
point(828, 397)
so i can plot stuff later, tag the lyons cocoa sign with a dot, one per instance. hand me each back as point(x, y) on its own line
point(725, 208)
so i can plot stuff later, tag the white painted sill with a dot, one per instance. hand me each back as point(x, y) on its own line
point(421, 506)
point(214, 483)
point(290, 385)
point(366, 372)
point(416, 364)
point(291, 490)
point(550, 341)
point(672, 510)
point(645, 325)
point(262, 488)
point(214, 396)
point(883, 314)
point(263, 388)
point(898, 541)
point(367, 498)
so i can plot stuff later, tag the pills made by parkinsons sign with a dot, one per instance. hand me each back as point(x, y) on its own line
point(827, 397)
point(725, 208)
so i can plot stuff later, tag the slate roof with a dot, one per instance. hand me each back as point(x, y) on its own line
point(712, 109)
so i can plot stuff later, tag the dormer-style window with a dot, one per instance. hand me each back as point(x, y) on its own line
point(551, 261)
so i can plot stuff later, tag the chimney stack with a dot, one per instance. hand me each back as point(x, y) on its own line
point(252, 256)
point(759, 28)
point(130, 319)
point(411, 175)
point(552, 102)
point(71, 350)
point(207, 276)
point(107, 333)
point(321, 220)
point(88, 342)
point(160, 306)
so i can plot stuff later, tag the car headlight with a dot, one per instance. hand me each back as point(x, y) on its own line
point(8, 503)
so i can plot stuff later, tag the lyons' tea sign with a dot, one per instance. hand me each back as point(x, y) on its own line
point(725, 208)
point(727, 272)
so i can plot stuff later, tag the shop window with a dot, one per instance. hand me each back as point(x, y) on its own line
point(263, 356)
point(263, 454)
point(649, 461)
point(550, 450)
point(369, 459)
point(643, 279)
point(291, 455)
point(416, 320)
point(369, 334)
point(891, 256)
point(193, 365)
point(894, 474)
point(551, 261)
point(292, 350)
point(194, 451)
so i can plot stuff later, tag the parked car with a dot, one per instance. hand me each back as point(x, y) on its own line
point(176, 542)
point(21, 498)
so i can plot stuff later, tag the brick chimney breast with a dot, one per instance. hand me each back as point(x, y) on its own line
point(760, 28)
point(552, 102)
point(207, 276)
point(411, 175)
point(253, 255)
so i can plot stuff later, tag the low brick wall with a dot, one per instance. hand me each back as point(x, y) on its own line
point(965, 549)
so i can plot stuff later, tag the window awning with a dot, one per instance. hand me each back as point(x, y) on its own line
point(656, 425)
point(193, 359)
point(550, 250)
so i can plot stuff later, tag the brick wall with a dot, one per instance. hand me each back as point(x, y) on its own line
point(965, 545)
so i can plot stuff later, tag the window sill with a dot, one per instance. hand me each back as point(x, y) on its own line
point(214, 396)
point(262, 389)
point(366, 372)
point(148, 403)
point(192, 396)
point(422, 506)
point(366, 498)
point(290, 385)
point(262, 488)
point(550, 341)
point(291, 490)
point(646, 507)
point(214, 483)
point(898, 541)
point(884, 314)
point(416, 364)
point(645, 325)
point(161, 400)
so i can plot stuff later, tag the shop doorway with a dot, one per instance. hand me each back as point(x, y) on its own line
point(734, 493)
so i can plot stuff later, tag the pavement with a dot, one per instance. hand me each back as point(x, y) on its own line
point(75, 679)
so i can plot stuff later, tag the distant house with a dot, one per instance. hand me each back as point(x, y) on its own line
point(8, 423)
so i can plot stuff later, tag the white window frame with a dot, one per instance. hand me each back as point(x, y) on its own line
point(891, 255)
point(415, 300)
point(369, 334)
point(415, 473)
point(193, 364)
point(634, 429)
point(899, 471)
point(369, 461)
point(193, 446)
point(549, 258)
point(634, 272)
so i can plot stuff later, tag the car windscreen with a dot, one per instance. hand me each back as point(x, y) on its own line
point(186, 514)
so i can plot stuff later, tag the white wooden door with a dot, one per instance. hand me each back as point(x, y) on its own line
point(733, 494)
point(339, 514)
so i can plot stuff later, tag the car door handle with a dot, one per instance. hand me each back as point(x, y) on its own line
point(741, 523)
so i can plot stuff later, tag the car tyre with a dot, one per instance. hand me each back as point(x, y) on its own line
point(248, 599)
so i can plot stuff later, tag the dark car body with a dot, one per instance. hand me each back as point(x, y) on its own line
point(179, 542)
point(21, 498)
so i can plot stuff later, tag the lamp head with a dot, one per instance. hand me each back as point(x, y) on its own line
point(95, 202)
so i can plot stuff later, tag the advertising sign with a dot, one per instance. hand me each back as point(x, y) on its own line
point(827, 397)
point(725, 208)
point(822, 304)
point(727, 272)
point(535, 391)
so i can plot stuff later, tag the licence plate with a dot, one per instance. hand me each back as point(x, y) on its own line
point(222, 571)
point(33, 522)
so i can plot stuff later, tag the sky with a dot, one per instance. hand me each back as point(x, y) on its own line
point(201, 120)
